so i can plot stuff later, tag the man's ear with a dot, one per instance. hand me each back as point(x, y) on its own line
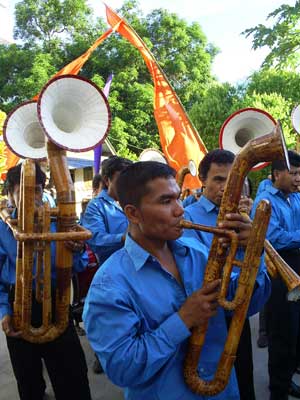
point(132, 213)
point(276, 174)
point(105, 181)
point(203, 180)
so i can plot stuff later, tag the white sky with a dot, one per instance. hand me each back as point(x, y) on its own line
point(221, 20)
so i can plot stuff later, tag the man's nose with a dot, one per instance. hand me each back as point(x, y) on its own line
point(179, 210)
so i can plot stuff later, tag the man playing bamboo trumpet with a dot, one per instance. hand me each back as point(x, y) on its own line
point(214, 169)
point(146, 298)
point(63, 357)
point(282, 316)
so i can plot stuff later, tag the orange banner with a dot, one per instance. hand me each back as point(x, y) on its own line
point(75, 66)
point(179, 139)
point(72, 68)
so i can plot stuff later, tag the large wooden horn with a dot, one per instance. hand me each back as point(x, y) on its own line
point(244, 125)
point(74, 114)
point(220, 262)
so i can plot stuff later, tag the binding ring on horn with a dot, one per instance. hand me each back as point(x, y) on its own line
point(74, 113)
point(23, 133)
point(244, 125)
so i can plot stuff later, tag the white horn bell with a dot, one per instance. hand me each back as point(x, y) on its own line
point(23, 133)
point(296, 118)
point(244, 125)
point(152, 155)
point(74, 113)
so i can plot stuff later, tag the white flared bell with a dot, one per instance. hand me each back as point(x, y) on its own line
point(152, 155)
point(23, 133)
point(74, 113)
point(296, 118)
point(244, 125)
point(192, 168)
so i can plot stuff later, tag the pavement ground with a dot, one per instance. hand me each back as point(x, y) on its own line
point(103, 389)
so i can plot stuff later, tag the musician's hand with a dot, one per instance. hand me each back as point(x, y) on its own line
point(7, 327)
point(77, 246)
point(245, 205)
point(201, 305)
point(241, 224)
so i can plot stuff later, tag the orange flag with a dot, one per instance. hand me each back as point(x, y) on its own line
point(75, 66)
point(179, 139)
point(72, 68)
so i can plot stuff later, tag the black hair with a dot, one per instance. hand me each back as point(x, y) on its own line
point(217, 156)
point(132, 184)
point(13, 177)
point(112, 165)
point(280, 165)
point(97, 180)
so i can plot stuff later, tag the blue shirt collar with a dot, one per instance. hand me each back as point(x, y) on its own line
point(275, 191)
point(104, 195)
point(208, 205)
point(140, 256)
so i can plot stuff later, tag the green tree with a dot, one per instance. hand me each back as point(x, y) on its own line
point(54, 32)
point(45, 21)
point(285, 83)
point(283, 37)
point(209, 113)
point(2, 156)
point(23, 74)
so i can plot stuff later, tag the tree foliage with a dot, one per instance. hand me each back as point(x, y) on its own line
point(222, 100)
point(44, 21)
point(209, 113)
point(54, 32)
point(285, 83)
point(283, 37)
point(2, 156)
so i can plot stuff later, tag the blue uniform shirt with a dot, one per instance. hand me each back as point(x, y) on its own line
point(8, 254)
point(189, 200)
point(284, 227)
point(107, 222)
point(263, 185)
point(202, 212)
point(132, 322)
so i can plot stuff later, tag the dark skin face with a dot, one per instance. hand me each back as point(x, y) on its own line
point(214, 183)
point(287, 181)
point(111, 185)
point(157, 217)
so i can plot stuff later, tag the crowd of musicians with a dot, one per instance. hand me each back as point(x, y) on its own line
point(147, 294)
